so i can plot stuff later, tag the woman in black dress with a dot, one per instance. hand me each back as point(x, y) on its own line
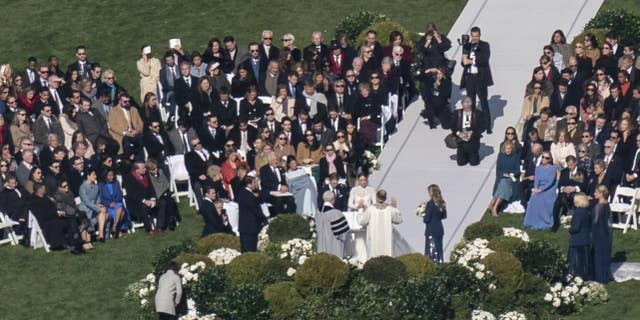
point(436, 97)
point(436, 212)
point(601, 237)
point(580, 237)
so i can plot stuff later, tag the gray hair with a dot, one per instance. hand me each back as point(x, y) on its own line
point(289, 36)
point(387, 60)
point(398, 49)
point(328, 196)
point(269, 32)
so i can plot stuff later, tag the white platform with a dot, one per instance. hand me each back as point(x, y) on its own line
point(416, 156)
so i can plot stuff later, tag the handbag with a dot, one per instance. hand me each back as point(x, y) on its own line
point(452, 141)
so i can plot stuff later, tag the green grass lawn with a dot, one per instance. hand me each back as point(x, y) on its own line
point(632, 6)
point(624, 302)
point(114, 30)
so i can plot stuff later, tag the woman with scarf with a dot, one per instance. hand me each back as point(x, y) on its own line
point(330, 163)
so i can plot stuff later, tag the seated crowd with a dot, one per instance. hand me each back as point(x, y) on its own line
point(87, 159)
point(580, 142)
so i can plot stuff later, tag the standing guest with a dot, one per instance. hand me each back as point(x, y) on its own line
point(436, 211)
point(539, 214)
point(468, 129)
point(571, 181)
point(601, 237)
point(598, 178)
point(169, 293)
point(332, 227)
point(507, 170)
point(436, 95)
point(476, 76)
point(361, 196)
point(149, 70)
point(378, 220)
point(251, 218)
point(111, 198)
point(580, 237)
point(214, 221)
point(340, 193)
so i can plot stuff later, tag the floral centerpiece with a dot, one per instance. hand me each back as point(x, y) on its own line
point(223, 255)
point(370, 160)
point(296, 250)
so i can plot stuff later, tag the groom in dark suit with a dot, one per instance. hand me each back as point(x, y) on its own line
point(272, 180)
point(251, 219)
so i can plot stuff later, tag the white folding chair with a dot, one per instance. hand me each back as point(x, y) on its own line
point(266, 100)
point(178, 174)
point(7, 224)
point(393, 104)
point(37, 239)
point(626, 212)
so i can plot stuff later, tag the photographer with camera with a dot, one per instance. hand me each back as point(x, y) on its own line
point(467, 129)
point(432, 47)
point(476, 76)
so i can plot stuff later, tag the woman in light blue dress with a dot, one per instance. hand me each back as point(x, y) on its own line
point(539, 214)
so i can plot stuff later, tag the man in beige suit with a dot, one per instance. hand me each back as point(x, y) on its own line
point(125, 126)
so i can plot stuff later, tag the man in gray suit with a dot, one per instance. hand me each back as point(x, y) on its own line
point(24, 169)
point(181, 136)
point(168, 75)
point(233, 55)
point(102, 105)
point(91, 122)
point(45, 124)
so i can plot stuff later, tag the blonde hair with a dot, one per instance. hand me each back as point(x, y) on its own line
point(604, 191)
point(580, 200)
point(436, 196)
point(214, 172)
point(107, 73)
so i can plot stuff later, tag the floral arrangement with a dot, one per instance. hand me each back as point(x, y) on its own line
point(296, 250)
point(517, 233)
point(192, 312)
point(565, 221)
point(263, 238)
point(190, 273)
point(370, 159)
point(574, 294)
point(140, 291)
point(482, 315)
point(469, 255)
point(512, 315)
point(223, 255)
point(421, 210)
point(353, 262)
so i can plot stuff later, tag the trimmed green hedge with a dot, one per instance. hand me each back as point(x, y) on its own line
point(384, 271)
point(217, 241)
point(482, 229)
point(285, 227)
point(322, 272)
point(625, 24)
point(417, 265)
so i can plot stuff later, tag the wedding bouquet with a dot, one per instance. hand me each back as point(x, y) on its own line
point(223, 255)
point(370, 160)
point(515, 232)
point(297, 250)
point(421, 210)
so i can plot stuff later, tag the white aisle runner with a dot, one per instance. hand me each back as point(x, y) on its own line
point(416, 156)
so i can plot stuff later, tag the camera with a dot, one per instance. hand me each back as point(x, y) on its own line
point(464, 40)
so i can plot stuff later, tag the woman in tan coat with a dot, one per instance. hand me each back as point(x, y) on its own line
point(149, 69)
point(20, 127)
point(282, 148)
point(531, 107)
point(309, 150)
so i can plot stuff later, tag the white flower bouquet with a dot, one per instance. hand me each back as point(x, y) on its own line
point(191, 272)
point(575, 293)
point(371, 160)
point(515, 232)
point(223, 255)
point(565, 221)
point(296, 250)
point(142, 290)
point(421, 210)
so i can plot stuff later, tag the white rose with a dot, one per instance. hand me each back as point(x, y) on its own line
point(283, 255)
point(556, 303)
point(492, 286)
point(151, 277)
point(480, 266)
point(302, 259)
point(291, 272)
point(480, 275)
point(579, 281)
point(152, 288)
point(144, 302)
point(548, 297)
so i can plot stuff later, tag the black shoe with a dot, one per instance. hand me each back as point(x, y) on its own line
point(78, 251)
point(489, 131)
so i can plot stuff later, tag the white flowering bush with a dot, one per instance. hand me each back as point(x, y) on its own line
point(565, 221)
point(190, 273)
point(517, 233)
point(354, 262)
point(193, 314)
point(574, 293)
point(263, 239)
point(223, 255)
point(482, 315)
point(296, 250)
point(421, 210)
point(512, 315)
point(142, 292)
point(469, 255)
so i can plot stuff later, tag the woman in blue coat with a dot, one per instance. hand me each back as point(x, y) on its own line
point(436, 212)
point(580, 238)
point(601, 237)
point(111, 198)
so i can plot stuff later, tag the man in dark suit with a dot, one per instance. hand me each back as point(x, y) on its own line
point(46, 124)
point(197, 162)
point(81, 65)
point(184, 88)
point(324, 135)
point(574, 91)
point(334, 121)
point(75, 175)
point(560, 98)
point(91, 122)
point(272, 180)
point(340, 191)
point(251, 220)
point(214, 221)
point(256, 64)
point(299, 126)
point(181, 136)
point(243, 134)
point(531, 161)
point(213, 137)
point(168, 76)
point(157, 142)
point(612, 39)
point(233, 55)
point(476, 77)
point(30, 75)
point(286, 128)
point(42, 82)
point(371, 41)
point(267, 50)
point(337, 59)
point(600, 130)
point(141, 197)
point(46, 153)
point(468, 127)
point(569, 183)
point(343, 103)
point(270, 122)
point(630, 179)
point(13, 201)
point(615, 165)
point(226, 109)
point(615, 103)
point(318, 47)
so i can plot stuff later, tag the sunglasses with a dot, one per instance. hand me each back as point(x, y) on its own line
point(229, 145)
point(28, 144)
point(3, 165)
point(155, 127)
point(351, 75)
point(511, 133)
point(591, 89)
point(547, 52)
point(582, 151)
point(64, 186)
point(607, 146)
point(374, 77)
point(586, 136)
point(600, 74)
point(339, 86)
point(546, 158)
point(571, 123)
point(340, 137)
point(285, 39)
point(282, 138)
point(268, 114)
point(573, 65)
point(267, 38)
point(255, 50)
point(22, 114)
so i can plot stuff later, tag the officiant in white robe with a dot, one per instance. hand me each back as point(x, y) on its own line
point(379, 220)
